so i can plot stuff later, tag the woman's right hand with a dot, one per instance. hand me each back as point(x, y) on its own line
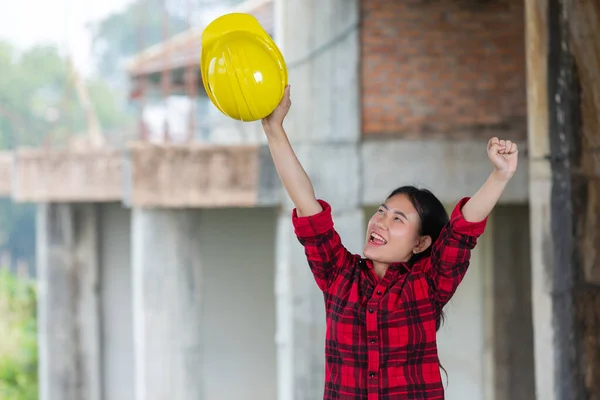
point(275, 119)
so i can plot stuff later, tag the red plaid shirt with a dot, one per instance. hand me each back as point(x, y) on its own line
point(381, 333)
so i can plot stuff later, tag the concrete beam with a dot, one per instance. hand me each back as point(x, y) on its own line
point(66, 176)
point(450, 169)
point(196, 176)
point(6, 173)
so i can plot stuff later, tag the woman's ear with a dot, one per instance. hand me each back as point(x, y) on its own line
point(422, 245)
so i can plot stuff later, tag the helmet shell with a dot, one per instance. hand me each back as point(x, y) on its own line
point(243, 71)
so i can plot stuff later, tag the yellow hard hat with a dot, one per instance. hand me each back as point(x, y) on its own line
point(243, 71)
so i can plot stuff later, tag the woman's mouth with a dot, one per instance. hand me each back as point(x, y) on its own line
point(377, 239)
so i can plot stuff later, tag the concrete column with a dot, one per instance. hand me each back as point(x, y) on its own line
point(321, 45)
point(167, 305)
point(238, 322)
point(512, 327)
point(116, 302)
point(68, 304)
point(540, 189)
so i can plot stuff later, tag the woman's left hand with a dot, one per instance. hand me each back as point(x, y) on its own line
point(504, 156)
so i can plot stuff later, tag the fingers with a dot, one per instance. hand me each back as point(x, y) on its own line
point(494, 146)
point(285, 101)
point(492, 142)
point(508, 148)
point(498, 146)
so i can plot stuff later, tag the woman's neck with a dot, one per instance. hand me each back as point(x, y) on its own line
point(380, 268)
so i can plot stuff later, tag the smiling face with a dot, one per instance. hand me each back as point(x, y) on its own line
point(393, 232)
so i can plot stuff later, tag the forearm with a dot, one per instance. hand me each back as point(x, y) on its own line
point(293, 176)
point(482, 202)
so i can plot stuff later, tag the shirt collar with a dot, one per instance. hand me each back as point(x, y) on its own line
point(400, 266)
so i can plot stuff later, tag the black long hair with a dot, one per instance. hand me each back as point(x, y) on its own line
point(433, 218)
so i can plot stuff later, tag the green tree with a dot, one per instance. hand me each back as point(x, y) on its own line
point(18, 347)
point(38, 101)
point(140, 25)
point(38, 98)
point(116, 37)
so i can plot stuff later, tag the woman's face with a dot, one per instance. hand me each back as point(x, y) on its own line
point(393, 232)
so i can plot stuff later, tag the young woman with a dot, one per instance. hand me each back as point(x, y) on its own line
point(383, 309)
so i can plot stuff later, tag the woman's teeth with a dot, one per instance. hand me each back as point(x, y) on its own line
point(377, 239)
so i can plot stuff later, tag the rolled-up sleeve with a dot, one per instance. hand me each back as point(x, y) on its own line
point(323, 247)
point(451, 253)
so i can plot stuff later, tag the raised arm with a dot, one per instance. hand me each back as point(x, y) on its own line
point(504, 156)
point(293, 177)
point(451, 253)
point(312, 220)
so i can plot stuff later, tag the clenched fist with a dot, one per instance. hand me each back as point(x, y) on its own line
point(504, 156)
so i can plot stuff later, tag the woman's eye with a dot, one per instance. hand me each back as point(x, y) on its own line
point(380, 211)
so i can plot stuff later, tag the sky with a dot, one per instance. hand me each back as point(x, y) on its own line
point(25, 23)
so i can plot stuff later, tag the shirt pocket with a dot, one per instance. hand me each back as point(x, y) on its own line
point(348, 327)
point(395, 337)
point(407, 336)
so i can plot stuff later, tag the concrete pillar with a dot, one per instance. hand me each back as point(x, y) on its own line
point(540, 187)
point(563, 117)
point(238, 322)
point(116, 302)
point(512, 327)
point(167, 304)
point(68, 302)
point(320, 41)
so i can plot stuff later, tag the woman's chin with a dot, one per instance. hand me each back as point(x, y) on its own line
point(371, 252)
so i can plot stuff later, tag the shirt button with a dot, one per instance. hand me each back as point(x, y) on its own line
point(372, 374)
point(373, 340)
point(379, 293)
point(371, 310)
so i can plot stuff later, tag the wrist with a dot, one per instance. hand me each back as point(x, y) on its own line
point(272, 128)
point(501, 176)
point(275, 133)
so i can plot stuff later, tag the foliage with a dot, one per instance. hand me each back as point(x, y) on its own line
point(38, 102)
point(117, 37)
point(18, 346)
point(38, 98)
point(140, 25)
point(18, 230)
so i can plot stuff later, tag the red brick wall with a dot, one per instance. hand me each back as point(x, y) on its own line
point(443, 68)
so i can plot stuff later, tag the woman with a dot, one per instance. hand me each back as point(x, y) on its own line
point(383, 310)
